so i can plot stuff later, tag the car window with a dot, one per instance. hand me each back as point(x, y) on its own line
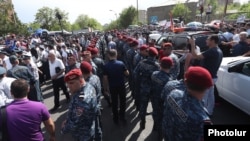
point(159, 41)
point(180, 42)
point(243, 68)
point(246, 69)
point(201, 42)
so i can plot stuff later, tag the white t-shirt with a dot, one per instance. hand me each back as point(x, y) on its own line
point(65, 56)
point(54, 65)
point(209, 9)
point(5, 86)
point(236, 38)
point(7, 62)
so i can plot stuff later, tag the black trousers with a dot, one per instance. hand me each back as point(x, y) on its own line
point(118, 93)
point(57, 84)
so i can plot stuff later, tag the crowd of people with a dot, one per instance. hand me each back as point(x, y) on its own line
point(89, 67)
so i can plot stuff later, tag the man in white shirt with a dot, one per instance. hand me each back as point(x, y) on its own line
point(57, 72)
point(5, 82)
point(5, 59)
point(208, 12)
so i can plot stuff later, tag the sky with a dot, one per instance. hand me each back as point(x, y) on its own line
point(97, 9)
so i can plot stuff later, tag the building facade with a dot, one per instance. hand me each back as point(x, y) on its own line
point(142, 16)
point(161, 12)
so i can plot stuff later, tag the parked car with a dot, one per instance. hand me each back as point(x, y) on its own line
point(233, 82)
point(179, 41)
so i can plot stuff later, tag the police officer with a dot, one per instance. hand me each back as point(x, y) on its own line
point(22, 72)
point(125, 48)
point(80, 121)
point(144, 70)
point(130, 57)
point(35, 71)
point(86, 56)
point(120, 43)
point(99, 62)
point(184, 115)
point(94, 80)
point(159, 79)
point(143, 53)
point(72, 64)
point(167, 52)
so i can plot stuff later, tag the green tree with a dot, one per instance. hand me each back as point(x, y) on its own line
point(8, 19)
point(181, 9)
point(245, 8)
point(47, 19)
point(127, 17)
point(84, 21)
point(110, 26)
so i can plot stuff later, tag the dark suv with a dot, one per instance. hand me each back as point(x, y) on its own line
point(179, 41)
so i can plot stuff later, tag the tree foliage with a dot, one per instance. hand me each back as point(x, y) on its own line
point(9, 21)
point(47, 19)
point(127, 17)
point(240, 8)
point(179, 10)
point(84, 21)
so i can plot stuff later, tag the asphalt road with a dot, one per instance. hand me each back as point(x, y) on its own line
point(224, 113)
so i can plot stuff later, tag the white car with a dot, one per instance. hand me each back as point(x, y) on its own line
point(233, 82)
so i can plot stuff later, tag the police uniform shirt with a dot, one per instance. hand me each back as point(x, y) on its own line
point(159, 79)
point(183, 110)
point(82, 113)
point(171, 85)
point(95, 82)
point(175, 70)
point(144, 70)
point(52, 67)
point(21, 72)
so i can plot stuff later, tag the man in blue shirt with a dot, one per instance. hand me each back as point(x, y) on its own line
point(114, 83)
point(211, 60)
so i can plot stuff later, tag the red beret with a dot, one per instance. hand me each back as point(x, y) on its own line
point(153, 51)
point(94, 51)
point(167, 45)
point(89, 49)
point(134, 43)
point(143, 47)
point(86, 67)
point(73, 74)
point(129, 39)
point(167, 60)
point(199, 76)
point(91, 45)
point(124, 37)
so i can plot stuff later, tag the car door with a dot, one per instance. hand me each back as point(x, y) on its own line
point(236, 86)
